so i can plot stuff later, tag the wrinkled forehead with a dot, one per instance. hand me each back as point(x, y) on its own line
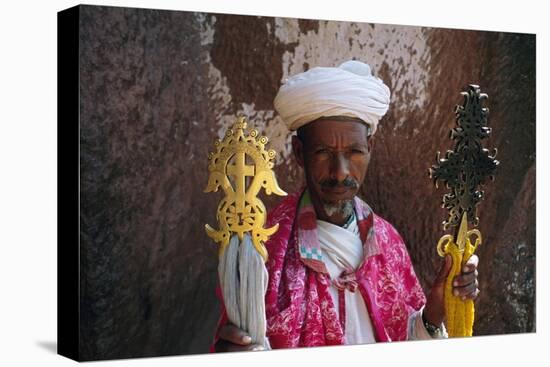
point(334, 132)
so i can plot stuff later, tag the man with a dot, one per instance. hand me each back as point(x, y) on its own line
point(338, 273)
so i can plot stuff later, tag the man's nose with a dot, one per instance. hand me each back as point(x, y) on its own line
point(340, 169)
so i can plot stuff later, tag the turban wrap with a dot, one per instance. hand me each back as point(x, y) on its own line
point(347, 90)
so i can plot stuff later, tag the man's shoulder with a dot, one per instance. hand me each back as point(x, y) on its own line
point(389, 238)
point(380, 223)
point(386, 233)
point(283, 215)
point(383, 224)
point(285, 210)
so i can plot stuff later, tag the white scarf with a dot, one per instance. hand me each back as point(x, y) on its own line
point(342, 248)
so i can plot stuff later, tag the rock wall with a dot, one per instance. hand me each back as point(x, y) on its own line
point(158, 86)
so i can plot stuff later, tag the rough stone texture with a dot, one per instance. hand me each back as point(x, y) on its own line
point(148, 270)
point(158, 86)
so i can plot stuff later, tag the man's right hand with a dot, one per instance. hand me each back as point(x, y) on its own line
point(233, 339)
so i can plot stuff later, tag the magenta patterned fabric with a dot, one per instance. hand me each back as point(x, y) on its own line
point(299, 308)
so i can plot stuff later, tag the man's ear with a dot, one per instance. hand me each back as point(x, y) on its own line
point(298, 150)
point(370, 143)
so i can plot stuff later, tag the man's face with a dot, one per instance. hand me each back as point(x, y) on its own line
point(335, 156)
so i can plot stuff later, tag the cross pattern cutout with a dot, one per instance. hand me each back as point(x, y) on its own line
point(239, 170)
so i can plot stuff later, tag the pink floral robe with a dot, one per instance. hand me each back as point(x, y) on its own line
point(299, 308)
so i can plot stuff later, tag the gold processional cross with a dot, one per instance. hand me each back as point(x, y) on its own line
point(241, 211)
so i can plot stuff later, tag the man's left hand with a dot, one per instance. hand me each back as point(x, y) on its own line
point(465, 286)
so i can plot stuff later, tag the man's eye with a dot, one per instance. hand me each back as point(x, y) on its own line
point(357, 151)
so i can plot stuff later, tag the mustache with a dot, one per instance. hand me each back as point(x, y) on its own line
point(332, 183)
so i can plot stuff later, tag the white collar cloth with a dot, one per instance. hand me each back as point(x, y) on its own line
point(342, 249)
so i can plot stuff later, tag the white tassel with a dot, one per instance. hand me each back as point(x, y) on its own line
point(229, 280)
point(243, 278)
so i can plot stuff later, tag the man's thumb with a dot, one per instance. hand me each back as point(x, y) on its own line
point(445, 269)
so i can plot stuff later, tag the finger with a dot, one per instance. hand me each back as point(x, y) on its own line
point(465, 279)
point(471, 264)
point(472, 295)
point(225, 346)
point(464, 291)
point(233, 334)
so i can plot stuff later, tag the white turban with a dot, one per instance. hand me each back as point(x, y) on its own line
point(348, 90)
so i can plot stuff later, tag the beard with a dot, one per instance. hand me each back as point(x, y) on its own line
point(342, 207)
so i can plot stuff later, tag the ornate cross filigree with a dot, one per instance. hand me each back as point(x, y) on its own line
point(466, 168)
point(240, 211)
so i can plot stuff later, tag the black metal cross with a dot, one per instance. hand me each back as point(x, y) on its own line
point(466, 168)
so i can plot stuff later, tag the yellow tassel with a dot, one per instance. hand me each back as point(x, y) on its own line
point(454, 314)
point(469, 304)
point(460, 314)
